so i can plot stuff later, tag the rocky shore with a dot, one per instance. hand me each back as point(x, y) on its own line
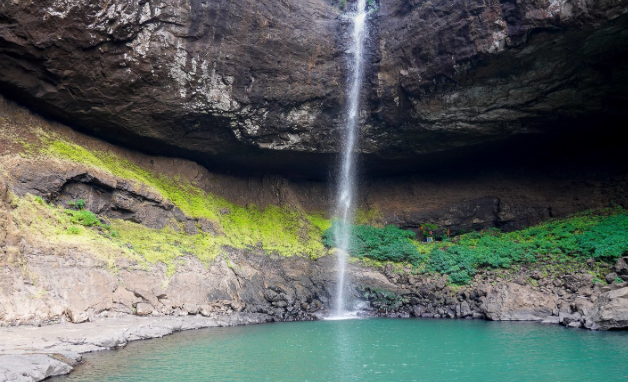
point(35, 353)
point(44, 337)
point(574, 300)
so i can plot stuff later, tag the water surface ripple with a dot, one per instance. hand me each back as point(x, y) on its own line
point(369, 350)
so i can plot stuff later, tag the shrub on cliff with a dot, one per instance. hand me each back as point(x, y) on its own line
point(383, 244)
point(84, 218)
point(602, 236)
point(77, 204)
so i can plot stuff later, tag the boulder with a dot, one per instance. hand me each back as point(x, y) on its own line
point(77, 316)
point(464, 310)
point(567, 318)
point(514, 302)
point(30, 367)
point(610, 278)
point(610, 311)
point(143, 309)
point(419, 310)
point(621, 268)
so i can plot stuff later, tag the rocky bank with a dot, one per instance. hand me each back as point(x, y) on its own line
point(572, 299)
point(37, 353)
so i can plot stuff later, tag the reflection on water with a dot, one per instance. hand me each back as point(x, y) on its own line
point(369, 350)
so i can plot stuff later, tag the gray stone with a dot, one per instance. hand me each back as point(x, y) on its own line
point(610, 311)
point(552, 320)
point(517, 303)
point(144, 309)
point(610, 278)
point(566, 318)
point(575, 324)
point(465, 309)
point(621, 267)
point(31, 367)
point(418, 310)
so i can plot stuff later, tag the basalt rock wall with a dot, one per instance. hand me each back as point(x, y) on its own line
point(259, 86)
point(508, 197)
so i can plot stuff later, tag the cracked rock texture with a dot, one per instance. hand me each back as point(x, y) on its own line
point(259, 86)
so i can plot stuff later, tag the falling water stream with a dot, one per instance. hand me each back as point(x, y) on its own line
point(347, 172)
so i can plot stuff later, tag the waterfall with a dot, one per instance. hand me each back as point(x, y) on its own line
point(347, 171)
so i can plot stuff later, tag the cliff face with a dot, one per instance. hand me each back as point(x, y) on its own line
point(249, 86)
point(163, 236)
point(453, 74)
point(216, 79)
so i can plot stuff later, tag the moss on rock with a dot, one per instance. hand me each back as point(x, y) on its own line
point(282, 230)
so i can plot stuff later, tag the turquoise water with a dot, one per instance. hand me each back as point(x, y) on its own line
point(369, 350)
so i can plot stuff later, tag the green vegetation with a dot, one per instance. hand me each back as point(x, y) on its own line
point(78, 204)
point(342, 5)
point(275, 229)
point(382, 244)
point(74, 230)
point(319, 221)
point(84, 218)
point(601, 235)
point(285, 231)
point(372, 217)
point(59, 229)
point(166, 245)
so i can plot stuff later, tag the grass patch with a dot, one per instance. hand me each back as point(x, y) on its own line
point(281, 230)
point(165, 245)
point(73, 230)
point(57, 229)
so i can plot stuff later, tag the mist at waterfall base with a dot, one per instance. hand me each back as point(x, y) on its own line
point(369, 350)
point(347, 170)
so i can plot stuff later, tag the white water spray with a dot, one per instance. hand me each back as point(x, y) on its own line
point(347, 172)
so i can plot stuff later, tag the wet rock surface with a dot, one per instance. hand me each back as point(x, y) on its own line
point(259, 87)
point(513, 302)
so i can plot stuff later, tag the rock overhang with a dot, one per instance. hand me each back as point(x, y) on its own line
point(444, 86)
